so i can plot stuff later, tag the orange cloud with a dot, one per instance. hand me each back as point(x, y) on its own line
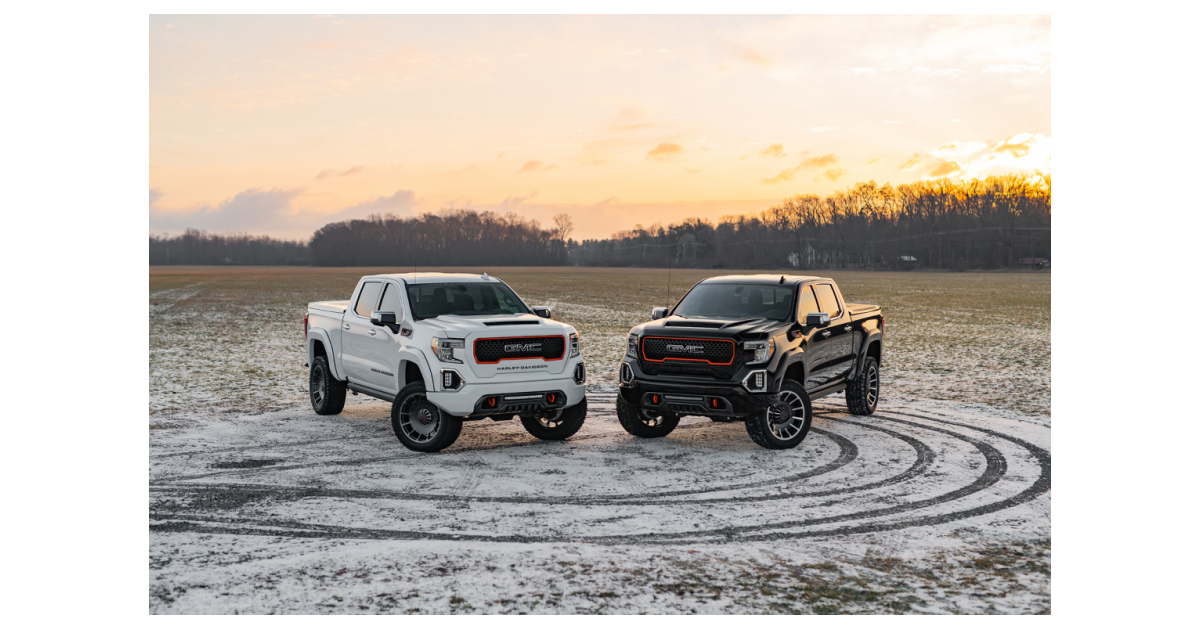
point(324, 174)
point(873, 161)
point(944, 168)
point(820, 161)
point(834, 174)
point(774, 150)
point(912, 162)
point(665, 151)
point(536, 166)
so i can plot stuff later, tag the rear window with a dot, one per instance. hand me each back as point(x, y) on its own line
point(367, 299)
point(430, 300)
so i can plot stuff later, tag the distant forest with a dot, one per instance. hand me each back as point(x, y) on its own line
point(997, 222)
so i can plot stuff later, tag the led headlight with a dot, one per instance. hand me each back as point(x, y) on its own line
point(444, 349)
point(574, 344)
point(631, 349)
point(759, 351)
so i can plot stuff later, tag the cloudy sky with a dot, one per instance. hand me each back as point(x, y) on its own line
point(277, 125)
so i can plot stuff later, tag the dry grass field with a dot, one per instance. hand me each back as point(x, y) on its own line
point(229, 339)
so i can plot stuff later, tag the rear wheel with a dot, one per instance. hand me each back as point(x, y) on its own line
point(327, 394)
point(862, 392)
point(784, 423)
point(643, 423)
point(558, 424)
point(419, 424)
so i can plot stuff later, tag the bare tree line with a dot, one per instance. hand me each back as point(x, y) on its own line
point(198, 248)
point(985, 223)
point(982, 223)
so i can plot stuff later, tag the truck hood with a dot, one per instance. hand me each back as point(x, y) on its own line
point(747, 329)
point(495, 326)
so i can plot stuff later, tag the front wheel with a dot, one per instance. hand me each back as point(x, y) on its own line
point(559, 424)
point(784, 423)
point(642, 423)
point(862, 392)
point(419, 424)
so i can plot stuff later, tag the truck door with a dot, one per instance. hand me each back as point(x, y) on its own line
point(839, 354)
point(380, 349)
point(815, 344)
point(356, 329)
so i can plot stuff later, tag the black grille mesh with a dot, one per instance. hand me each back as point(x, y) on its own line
point(717, 352)
point(497, 349)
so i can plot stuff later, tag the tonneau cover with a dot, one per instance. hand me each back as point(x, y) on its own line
point(858, 309)
point(332, 306)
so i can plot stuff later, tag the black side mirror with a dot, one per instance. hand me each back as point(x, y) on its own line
point(542, 312)
point(658, 312)
point(383, 318)
point(816, 320)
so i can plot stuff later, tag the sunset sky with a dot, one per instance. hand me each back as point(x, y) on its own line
point(277, 125)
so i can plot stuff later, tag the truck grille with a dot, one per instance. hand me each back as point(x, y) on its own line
point(495, 350)
point(713, 352)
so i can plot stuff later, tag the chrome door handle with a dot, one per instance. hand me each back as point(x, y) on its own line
point(825, 334)
point(371, 332)
point(847, 327)
point(345, 327)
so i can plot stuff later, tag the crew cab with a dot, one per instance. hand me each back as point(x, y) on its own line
point(445, 349)
point(752, 348)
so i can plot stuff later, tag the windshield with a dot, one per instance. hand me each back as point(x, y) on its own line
point(430, 300)
point(737, 301)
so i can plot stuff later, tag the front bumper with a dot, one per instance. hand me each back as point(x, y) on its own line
point(702, 398)
point(469, 399)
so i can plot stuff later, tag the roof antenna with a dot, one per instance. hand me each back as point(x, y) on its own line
point(485, 276)
point(669, 265)
point(781, 279)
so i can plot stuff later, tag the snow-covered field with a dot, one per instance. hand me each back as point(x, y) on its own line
point(929, 506)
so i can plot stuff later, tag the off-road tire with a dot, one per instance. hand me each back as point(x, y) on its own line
point(632, 422)
point(572, 419)
point(326, 393)
point(862, 392)
point(759, 424)
point(445, 431)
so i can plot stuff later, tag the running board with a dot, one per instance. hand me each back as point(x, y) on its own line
point(383, 396)
point(826, 391)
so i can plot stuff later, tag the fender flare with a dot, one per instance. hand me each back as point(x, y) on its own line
point(320, 335)
point(787, 360)
point(409, 353)
point(872, 337)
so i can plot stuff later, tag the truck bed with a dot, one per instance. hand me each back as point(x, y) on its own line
point(331, 306)
point(862, 310)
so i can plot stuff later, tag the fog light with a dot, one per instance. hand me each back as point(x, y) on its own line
point(626, 373)
point(451, 380)
point(756, 381)
point(580, 374)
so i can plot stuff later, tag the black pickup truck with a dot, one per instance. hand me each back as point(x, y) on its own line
point(753, 348)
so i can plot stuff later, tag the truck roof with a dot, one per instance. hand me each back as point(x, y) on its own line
point(788, 279)
point(417, 278)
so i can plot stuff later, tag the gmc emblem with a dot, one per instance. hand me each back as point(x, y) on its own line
point(520, 348)
point(681, 348)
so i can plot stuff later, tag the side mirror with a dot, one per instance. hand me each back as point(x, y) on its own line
point(383, 318)
point(816, 320)
point(658, 312)
point(542, 312)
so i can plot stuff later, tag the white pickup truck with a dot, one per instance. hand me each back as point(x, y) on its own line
point(443, 349)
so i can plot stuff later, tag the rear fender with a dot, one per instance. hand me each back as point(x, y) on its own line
point(316, 335)
point(874, 336)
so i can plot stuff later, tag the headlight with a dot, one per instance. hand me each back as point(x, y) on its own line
point(444, 349)
point(631, 349)
point(759, 351)
point(574, 344)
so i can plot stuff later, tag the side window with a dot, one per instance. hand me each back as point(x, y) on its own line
point(808, 303)
point(367, 299)
point(829, 303)
point(391, 301)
